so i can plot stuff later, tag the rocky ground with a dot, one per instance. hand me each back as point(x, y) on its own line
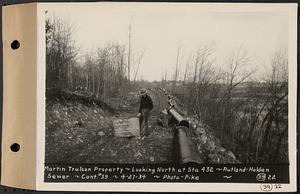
point(80, 129)
point(81, 132)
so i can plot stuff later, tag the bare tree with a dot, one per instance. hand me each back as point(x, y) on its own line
point(129, 50)
point(186, 70)
point(274, 123)
point(176, 73)
point(234, 76)
point(202, 65)
point(61, 53)
point(250, 114)
point(138, 65)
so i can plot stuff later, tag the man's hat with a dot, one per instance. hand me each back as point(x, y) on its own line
point(142, 91)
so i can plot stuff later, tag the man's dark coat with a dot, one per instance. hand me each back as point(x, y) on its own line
point(146, 102)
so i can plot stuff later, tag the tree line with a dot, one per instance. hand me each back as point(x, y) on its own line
point(110, 70)
point(248, 113)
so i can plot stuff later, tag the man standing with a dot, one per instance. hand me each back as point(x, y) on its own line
point(146, 105)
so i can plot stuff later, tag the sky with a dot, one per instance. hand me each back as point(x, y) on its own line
point(159, 31)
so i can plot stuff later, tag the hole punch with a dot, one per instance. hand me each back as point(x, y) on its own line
point(15, 44)
point(15, 147)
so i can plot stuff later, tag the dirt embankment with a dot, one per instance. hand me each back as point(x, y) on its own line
point(79, 130)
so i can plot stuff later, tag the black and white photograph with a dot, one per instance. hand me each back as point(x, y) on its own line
point(165, 85)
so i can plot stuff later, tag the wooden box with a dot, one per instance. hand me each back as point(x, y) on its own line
point(127, 127)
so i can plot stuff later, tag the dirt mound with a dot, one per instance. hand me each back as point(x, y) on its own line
point(80, 130)
point(71, 127)
point(76, 97)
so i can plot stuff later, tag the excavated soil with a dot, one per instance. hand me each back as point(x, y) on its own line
point(80, 130)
